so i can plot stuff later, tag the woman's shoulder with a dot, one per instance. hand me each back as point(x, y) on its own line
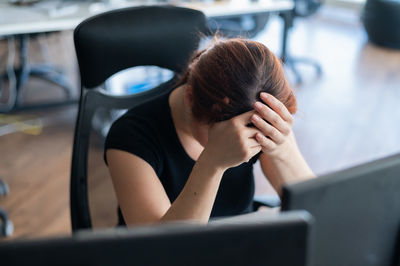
point(147, 115)
point(144, 120)
point(138, 130)
point(151, 108)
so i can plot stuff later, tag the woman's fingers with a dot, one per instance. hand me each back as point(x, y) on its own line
point(272, 117)
point(267, 129)
point(265, 142)
point(253, 143)
point(251, 132)
point(243, 119)
point(278, 107)
point(254, 147)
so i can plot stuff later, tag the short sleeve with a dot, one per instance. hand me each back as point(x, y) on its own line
point(254, 159)
point(137, 136)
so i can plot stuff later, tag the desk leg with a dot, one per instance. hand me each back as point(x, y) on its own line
point(23, 72)
point(10, 78)
point(288, 60)
point(287, 17)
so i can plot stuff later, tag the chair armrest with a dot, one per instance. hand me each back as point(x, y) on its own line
point(267, 200)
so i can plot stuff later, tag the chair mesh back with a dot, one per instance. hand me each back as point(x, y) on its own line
point(163, 36)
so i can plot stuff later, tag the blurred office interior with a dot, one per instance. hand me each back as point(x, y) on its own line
point(348, 114)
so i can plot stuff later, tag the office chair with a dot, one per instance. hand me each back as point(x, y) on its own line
point(302, 8)
point(13, 81)
point(241, 26)
point(163, 36)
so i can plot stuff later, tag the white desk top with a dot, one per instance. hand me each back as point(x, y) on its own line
point(42, 18)
point(241, 7)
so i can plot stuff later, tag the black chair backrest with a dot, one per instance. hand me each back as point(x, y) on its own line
point(163, 36)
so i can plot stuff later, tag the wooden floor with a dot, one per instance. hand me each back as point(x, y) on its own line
point(348, 116)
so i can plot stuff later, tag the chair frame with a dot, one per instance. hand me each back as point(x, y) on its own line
point(93, 94)
point(89, 102)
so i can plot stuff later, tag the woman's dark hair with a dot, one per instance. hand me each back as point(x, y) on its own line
point(227, 78)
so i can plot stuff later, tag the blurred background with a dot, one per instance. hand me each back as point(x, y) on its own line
point(342, 59)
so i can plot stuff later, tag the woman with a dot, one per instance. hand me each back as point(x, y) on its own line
point(189, 154)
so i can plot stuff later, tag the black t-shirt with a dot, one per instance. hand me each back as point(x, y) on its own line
point(148, 132)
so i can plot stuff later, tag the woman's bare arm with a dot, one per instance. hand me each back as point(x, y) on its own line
point(281, 160)
point(142, 197)
point(287, 169)
point(143, 200)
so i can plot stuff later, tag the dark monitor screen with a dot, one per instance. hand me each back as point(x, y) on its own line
point(279, 240)
point(356, 211)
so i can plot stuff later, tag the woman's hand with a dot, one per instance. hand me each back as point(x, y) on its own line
point(281, 160)
point(275, 122)
point(231, 142)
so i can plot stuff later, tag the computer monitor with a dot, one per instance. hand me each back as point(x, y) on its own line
point(276, 240)
point(356, 211)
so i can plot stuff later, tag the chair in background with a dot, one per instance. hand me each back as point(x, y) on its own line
point(163, 36)
point(302, 8)
point(381, 19)
point(241, 26)
point(13, 81)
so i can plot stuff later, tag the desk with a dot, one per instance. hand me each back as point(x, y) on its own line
point(23, 21)
point(16, 20)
